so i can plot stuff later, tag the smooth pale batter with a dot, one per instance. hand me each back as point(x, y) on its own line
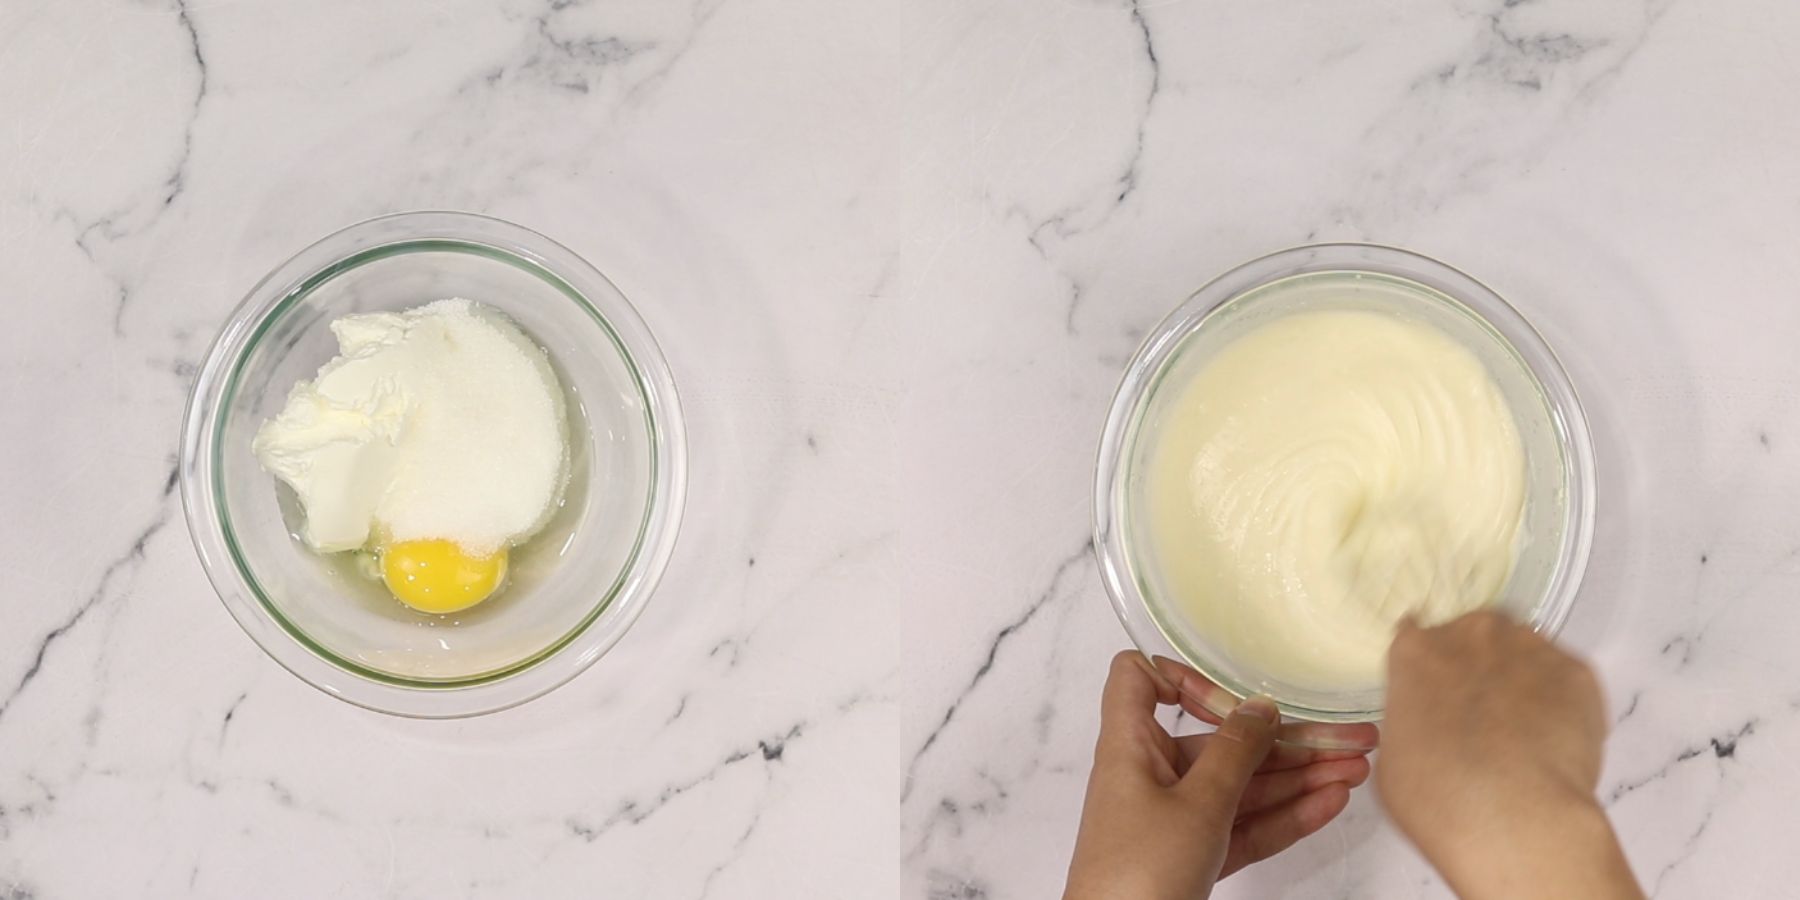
point(1325, 474)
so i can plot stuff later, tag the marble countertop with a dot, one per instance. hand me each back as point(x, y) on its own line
point(897, 253)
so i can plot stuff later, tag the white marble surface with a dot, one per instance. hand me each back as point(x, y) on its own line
point(897, 252)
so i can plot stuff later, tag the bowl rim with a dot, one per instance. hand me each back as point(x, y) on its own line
point(383, 237)
point(1161, 346)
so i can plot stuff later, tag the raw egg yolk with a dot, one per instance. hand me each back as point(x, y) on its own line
point(440, 577)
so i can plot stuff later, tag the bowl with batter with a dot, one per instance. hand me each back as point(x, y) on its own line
point(1321, 442)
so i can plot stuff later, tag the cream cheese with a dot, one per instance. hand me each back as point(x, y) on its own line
point(441, 422)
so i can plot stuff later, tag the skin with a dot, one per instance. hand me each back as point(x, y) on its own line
point(1490, 758)
point(1166, 817)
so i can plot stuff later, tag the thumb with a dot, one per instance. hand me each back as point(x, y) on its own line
point(1232, 754)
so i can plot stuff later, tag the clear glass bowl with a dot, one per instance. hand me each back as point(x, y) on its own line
point(572, 590)
point(1557, 527)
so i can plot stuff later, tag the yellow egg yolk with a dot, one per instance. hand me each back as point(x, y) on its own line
point(440, 577)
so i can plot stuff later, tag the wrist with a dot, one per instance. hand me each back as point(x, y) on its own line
point(1134, 885)
point(1558, 847)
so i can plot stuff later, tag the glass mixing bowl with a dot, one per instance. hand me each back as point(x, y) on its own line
point(1557, 526)
point(572, 590)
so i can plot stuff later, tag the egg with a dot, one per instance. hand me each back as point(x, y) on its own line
point(437, 576)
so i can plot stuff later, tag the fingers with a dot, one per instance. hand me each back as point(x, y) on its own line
point(1201, 698)
point(1133, 689)
point(1240, 745)
point(1267, 833)
point(1361, 737)
point(1281, 756)
point(1133, 746)
point(1136, 686)
point(1271, 789)
point(1407, 637)
point(1480, 622)
point(1197, 694)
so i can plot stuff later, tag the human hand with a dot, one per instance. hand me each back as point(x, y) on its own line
point(1166, 817)
point(1491, 753)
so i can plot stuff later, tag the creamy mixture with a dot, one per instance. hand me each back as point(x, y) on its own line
point(1325, 474)
point(436, 439)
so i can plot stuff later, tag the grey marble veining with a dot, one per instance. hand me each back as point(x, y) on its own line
point(897, 254)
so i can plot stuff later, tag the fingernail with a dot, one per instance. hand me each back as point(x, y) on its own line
point(1197, 688)
point(1156, 671)
point(1260, 707)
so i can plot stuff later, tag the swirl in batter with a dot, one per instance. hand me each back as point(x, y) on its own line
point(1325, 474)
